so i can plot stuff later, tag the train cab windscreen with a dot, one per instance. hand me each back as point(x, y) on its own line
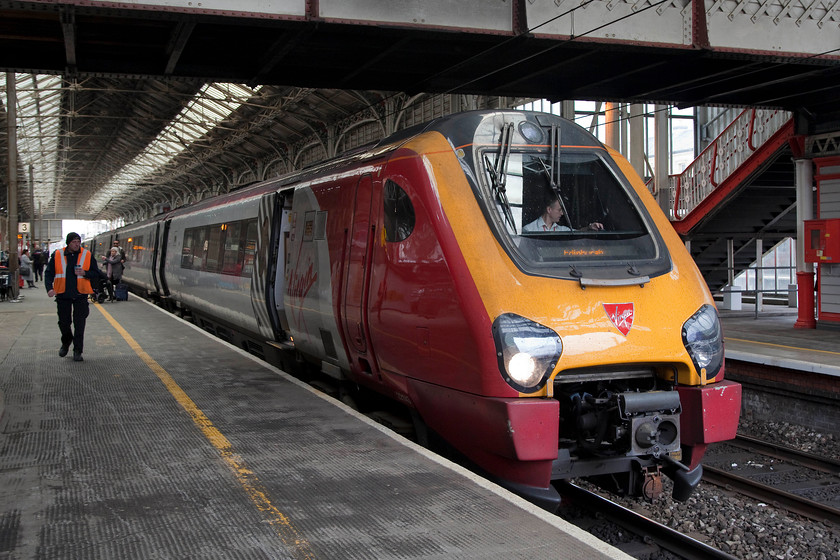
point(572, 213)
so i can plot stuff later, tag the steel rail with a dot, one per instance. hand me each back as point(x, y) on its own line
point(790, 502)
point(810, 460)
point(667, 538)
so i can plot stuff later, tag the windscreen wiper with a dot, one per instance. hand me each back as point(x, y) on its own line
point(498, 173)
point(554, 158)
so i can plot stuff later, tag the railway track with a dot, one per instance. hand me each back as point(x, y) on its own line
point(673, 541)
point(810, 460)
point(799, 482)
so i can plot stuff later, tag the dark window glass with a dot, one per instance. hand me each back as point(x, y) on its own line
point(233, 249)
point(250, 247)
point(593, 218)
point(135, 249)
point(399, 213)
point(187, 255)
point(199, 248)
point(214, 248)
point(225, 248)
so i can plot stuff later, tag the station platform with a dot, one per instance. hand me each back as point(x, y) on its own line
point(769, 338)
point(166, 442)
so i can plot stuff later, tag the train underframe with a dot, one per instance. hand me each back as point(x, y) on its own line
point(621, 433)
point(621, 429)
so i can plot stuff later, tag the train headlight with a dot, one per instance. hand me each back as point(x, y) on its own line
point(527, 351)
point(703, 338)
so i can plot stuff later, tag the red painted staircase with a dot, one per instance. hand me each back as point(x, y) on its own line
point(741, 187)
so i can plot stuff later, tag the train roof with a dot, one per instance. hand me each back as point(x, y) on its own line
point(460, 128)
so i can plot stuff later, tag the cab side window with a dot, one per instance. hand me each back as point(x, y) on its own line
point(399, 213)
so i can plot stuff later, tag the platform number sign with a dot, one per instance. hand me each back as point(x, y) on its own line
point(23, 227)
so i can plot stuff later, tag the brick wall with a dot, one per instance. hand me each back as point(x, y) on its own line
point(786, 395)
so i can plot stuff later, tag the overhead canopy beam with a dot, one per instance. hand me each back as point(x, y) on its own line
point(68, 29)
point(180, 36)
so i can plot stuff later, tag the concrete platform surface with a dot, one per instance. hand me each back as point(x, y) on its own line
point(166, 442)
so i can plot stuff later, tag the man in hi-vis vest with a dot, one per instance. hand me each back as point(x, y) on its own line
point(68, 277)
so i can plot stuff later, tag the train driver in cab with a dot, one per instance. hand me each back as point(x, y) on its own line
point(550, 218)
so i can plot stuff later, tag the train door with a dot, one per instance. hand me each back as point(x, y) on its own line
point(159, 257)
point(159, 267)
point(155, 259)
point(268, 268)
point(282, 250)
point(357, 270)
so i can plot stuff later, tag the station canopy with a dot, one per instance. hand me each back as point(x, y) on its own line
point(105, 148)
point(123, 107)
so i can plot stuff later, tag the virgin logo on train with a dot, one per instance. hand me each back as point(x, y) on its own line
point(621, 315)
point(300, 284)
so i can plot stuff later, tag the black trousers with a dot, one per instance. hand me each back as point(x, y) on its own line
point(110, 287)
point(73, 311)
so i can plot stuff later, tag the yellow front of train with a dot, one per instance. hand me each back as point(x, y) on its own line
point(593, 299)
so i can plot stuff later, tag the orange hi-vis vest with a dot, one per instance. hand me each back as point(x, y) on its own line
point(82, 284)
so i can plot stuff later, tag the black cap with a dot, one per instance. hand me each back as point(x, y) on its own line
point(71, 236)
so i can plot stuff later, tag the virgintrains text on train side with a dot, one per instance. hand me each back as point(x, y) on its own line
point(300, 284)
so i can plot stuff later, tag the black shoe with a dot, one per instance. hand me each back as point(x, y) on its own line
point(63, 351)
point(77, 356)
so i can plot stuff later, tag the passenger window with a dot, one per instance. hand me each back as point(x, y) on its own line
point(214, 247)
point(187, 254)
point(199, 248)
point(134, 250)
point(399, 213)
point(233, 249)
point(250, 248)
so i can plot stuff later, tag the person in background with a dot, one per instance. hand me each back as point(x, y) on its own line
point(114, 263)
point(120, 249)
point(26, 266)
point(68, 278)
point(39, 259)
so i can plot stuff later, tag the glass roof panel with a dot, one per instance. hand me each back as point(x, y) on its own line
point(210, 106)
point(38, 106)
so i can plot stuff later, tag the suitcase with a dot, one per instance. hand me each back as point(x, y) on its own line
point(121, 292)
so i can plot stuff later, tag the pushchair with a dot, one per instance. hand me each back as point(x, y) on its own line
point(5, 284)
point(99, 287)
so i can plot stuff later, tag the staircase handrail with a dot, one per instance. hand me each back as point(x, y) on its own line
point(720, 159)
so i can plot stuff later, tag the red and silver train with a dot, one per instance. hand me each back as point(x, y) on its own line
point(411, 268)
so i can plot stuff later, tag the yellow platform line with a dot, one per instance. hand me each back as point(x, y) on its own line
point(246, 477)
point(782, 346)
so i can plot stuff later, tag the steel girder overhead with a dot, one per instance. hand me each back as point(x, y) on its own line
point(771, 53)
